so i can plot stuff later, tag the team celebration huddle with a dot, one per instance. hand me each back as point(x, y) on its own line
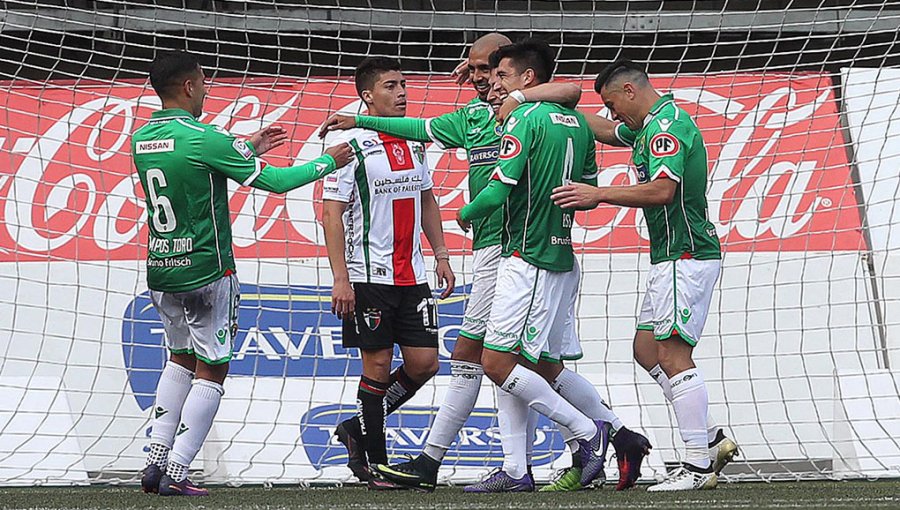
point(532, 165)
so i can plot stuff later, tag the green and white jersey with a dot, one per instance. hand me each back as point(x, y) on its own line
point(544, 145)
point(183, 166)
point(670, 145)
point(474, 128)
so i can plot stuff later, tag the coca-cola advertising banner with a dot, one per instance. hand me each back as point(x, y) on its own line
point(779, 175)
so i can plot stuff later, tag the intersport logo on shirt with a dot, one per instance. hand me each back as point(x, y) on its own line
point(283, 332)
point(779, 176)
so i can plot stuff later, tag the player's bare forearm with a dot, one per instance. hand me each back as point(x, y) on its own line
point(604, 129)
point(434, 232)
point(584, 196)
point(566, 94)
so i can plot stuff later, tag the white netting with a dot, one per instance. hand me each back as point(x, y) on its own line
point(797, 102)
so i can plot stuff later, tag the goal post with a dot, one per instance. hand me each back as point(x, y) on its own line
point(797, 104)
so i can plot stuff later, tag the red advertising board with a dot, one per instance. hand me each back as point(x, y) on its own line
point(779, 175)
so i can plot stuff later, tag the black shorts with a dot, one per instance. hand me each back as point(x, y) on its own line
point(388, 314)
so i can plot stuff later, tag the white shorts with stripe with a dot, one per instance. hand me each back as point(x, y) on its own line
point(534, 312)
point(486, 263)
point(678, 296)
point(203, 321)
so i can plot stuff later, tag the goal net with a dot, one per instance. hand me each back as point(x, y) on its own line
point(797, 102)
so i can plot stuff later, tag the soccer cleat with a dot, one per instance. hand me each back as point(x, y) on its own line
point(567, 480)
point(593, 453)
point(378, 484)
point(150, 477)
point(419, 473)
point(722, 451)
point(687, 478)
point(499, 481)
point(356, 456)
point(169, 487)
point(631, 448)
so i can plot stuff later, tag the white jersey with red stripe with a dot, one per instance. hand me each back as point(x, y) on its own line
point(383, 189)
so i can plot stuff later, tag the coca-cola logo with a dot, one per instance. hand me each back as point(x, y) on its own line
point(779, 176)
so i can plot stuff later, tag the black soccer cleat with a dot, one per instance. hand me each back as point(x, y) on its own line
point(631, 448)
point(150, 477)
point(356, 456)
point(419, 473)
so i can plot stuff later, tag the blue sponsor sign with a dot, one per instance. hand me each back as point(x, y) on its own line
point(283, 332)
point(478, 443)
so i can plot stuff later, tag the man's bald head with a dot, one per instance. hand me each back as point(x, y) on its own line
point(479, 61)
point(489, 43)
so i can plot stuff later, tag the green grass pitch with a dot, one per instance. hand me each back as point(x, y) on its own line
point(857, 494)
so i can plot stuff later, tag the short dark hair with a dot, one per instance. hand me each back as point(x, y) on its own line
point(621, 68)
point(368, 71)
point(170, 69)
point(531, 53)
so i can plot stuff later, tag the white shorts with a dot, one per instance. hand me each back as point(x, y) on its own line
point(478, 309)
point(203, 321)
point(678, 296)
point(534, 312)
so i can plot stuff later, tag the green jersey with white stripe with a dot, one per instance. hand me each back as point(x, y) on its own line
point(474, 128)
point(544, 145)
point(183, 166)
point(670, 145)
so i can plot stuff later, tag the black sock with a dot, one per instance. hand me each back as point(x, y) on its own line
point(370, 417)
point(401, 389)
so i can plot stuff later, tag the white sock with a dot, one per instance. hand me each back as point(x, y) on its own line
point(569, 439)
point(712, 429)
point(200, 408)
point(173, 388)
point(530, 433)
point(583, 395)
point(533, 389)
point(512, 418)
point(691, 402)
point(465, 383)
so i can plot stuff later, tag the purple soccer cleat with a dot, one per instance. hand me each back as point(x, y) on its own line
point(499, 481)
point(169, 487)
point(593, 453)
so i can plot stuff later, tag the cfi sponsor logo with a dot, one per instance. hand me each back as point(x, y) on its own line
point(477, 445)
point(284, 332)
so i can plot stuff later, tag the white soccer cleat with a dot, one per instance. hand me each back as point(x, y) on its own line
point(722, 451)
point(686, 479)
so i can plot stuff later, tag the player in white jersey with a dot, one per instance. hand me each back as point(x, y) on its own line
point(374, 212)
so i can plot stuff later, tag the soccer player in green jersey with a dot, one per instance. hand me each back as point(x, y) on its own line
point(184, 166)
point(543, 145)
point(671, 162)
point(475, 128)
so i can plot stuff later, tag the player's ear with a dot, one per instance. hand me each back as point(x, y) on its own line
point(528, 76)
point(629, 90)
point(367, 97)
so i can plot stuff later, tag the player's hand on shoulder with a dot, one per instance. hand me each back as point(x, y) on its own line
point(268, 138)
point(337, 122)
point(343, 299)
point(509, 104)
point(461, 73)
point(342, 154)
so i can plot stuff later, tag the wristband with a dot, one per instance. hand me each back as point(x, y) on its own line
point(518, 95)
point(441, 253)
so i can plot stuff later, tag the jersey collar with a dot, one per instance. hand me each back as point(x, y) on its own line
point(171, 113)
point(657, 106)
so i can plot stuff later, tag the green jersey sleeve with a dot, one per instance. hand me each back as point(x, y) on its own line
point(401, 127)
point(238, 160)
point(626, 135)
point(515, 146)
point(666, 151)
point(448, 130)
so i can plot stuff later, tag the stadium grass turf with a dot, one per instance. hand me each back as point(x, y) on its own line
point(881, 494)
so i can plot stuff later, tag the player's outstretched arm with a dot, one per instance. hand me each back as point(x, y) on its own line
point(658, 192)
point(604, 130)
point(566, 94)
point(489, 200)
point(343, 299)
point(434, 231)
point(282, 180)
